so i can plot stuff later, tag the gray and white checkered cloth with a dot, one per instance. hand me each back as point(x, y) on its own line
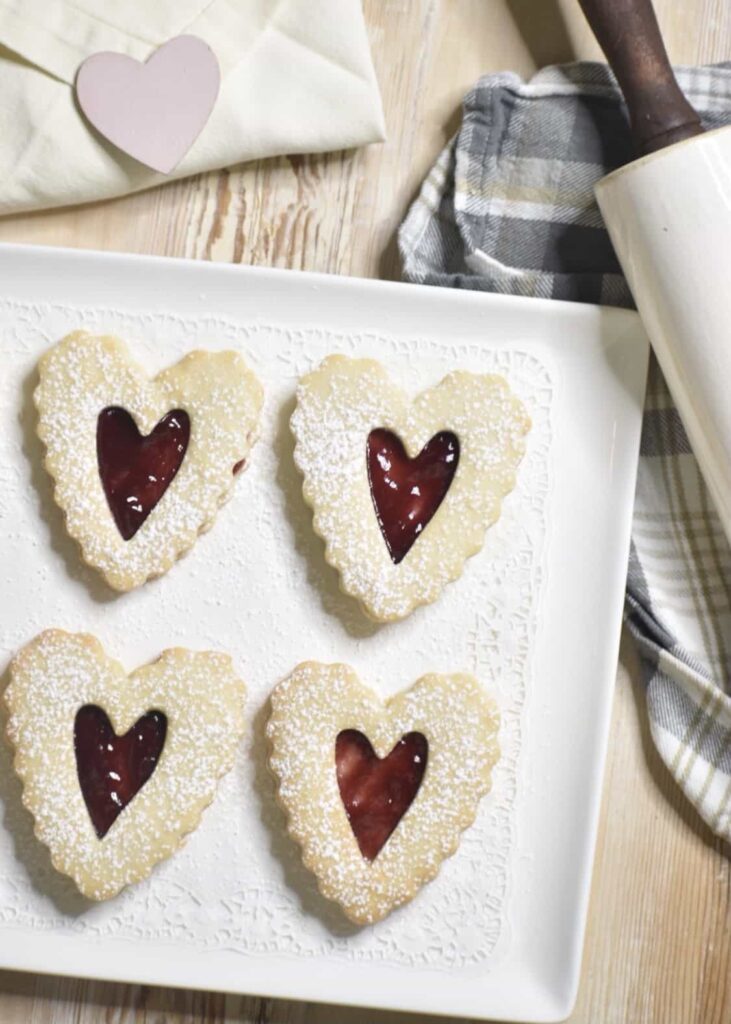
point(509, 207)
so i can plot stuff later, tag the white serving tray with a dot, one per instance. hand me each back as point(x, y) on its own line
point(536, 616)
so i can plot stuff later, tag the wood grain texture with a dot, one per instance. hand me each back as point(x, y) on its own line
point(658, 941)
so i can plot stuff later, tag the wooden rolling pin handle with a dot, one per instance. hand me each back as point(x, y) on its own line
point(628, 32)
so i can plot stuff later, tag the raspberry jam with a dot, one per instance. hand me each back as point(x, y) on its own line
point(113, 769)
point(407, 492)
point(136, 470)
point(377, 792)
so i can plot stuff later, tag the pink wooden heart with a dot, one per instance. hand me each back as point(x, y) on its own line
point(156, 110)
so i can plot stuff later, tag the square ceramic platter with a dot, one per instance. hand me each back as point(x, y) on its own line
point(536, 616)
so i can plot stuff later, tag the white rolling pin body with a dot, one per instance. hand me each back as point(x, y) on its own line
point(669, 218)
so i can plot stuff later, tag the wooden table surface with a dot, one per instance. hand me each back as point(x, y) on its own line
point(658, 945)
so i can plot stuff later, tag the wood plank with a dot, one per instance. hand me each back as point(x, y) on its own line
point(659, 927)
point(657, 946)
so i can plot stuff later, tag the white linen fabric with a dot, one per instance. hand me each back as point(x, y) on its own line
point(296, 77)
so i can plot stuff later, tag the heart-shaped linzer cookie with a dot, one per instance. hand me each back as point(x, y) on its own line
point(142, 466)
point(118, 769)
point(378, 794)
point(156, 110)
point(403, 491)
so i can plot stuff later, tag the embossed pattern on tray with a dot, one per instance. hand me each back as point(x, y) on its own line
point(257, 586)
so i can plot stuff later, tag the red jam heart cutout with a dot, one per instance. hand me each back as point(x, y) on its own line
point(136, 470)
point(407, 492)
point(113, 769)
point(377, 792)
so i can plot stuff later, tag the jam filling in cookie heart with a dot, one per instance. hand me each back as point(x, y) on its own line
point(136, 469)
point(407, 492)
point(377, 792)
point(112, 769)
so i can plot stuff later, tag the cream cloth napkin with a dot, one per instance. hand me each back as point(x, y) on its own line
point(296, 77)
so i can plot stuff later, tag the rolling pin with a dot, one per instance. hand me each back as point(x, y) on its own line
point(669, 218)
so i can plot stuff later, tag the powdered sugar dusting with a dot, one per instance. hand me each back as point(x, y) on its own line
point(81, 376)
point(55, 675)
point(258, 587)
point(337, 407)
point(460, 723)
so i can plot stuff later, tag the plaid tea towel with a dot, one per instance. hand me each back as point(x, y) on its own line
point(509, 207)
